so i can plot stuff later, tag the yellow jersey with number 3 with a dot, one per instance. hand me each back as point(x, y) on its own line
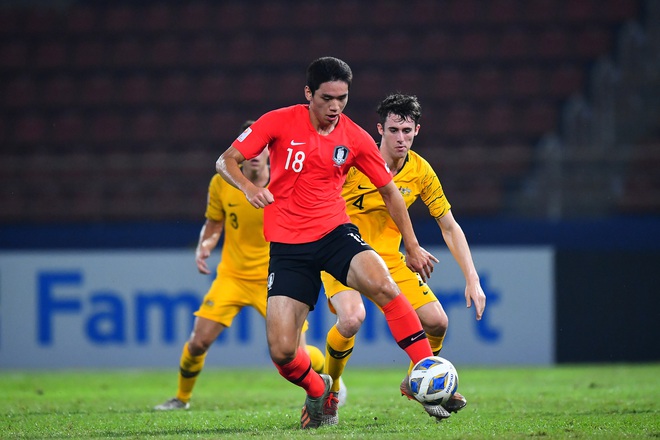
point(368, 212)
point(245, 251)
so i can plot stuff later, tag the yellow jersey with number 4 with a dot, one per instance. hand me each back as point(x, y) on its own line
point(245, 251)
point(368, 212)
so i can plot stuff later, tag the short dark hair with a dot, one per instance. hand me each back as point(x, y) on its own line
point(327, 69)
point(245, 125)
point(403, 106)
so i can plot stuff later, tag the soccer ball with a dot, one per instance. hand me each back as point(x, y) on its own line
point(433, 380)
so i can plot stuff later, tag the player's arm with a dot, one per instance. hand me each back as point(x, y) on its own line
point(455, 239)
point(417, 258)
point(208, 240)
point(227, 167)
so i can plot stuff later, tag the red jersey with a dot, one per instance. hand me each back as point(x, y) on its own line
point(307, 171)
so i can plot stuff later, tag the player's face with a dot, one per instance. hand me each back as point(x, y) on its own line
point(327, 102)
point(397, 135)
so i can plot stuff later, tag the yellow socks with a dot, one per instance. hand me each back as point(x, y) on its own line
point(317, 358)
point(338, 351)
point(189, 368)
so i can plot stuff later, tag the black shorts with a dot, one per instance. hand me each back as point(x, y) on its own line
point(295, 269)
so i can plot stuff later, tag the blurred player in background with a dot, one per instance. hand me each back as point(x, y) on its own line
point(312, 147)
point(399, 124)
point(241, 273)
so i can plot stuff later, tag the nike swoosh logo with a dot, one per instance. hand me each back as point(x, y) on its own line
point(363, 187)
point(294, 143)
point(231, 205)
point(414, 338)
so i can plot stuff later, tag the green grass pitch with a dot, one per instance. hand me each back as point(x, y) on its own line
point(579, 402)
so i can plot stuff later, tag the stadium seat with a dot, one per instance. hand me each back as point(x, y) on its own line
point(437, 46)
point(167, 51)
point(538, 117)
point(19, 93)
point(446, 84)
point(31, 128)
point(107, 127)
point(14, 54)
point(42, 21)
point(564, 80)
point(119, 18)
point(214, 89)
point(60, 90)
point(503, 12)
point(513, 45)
point(204, 51)
point(253, 86)
point(539, 11)
point(81, 19)
point(135, 90)
point(474, 46)
point(243, 50)
point(90, 54)
point(97, 91)
point(174, 88)
point(281, 50)
point(527, 82)
point(464, 11)
point(553, 44)
point(68, 127)
point(194, 16)
point(51, 54)
point(580, 11)
point(487, 83)
point(592, 42)
point(500, 120)
point(146, 126)
point(127, 52)
point(157, 17)
point(185, 126)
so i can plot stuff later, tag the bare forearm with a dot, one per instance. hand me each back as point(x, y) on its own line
point(399, 213)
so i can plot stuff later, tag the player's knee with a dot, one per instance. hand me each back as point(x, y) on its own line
point(436, 325)
point(281, 356)
point(199, 346)
point(349, 324)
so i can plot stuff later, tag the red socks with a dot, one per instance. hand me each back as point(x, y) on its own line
point(407, 329)
point(299, 372)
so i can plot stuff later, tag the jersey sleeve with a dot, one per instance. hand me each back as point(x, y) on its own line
point(214, 210)
point(256, 137)
point(431, 191)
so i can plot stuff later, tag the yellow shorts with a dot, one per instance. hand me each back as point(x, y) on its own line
point(229, 294)
point(410, 283)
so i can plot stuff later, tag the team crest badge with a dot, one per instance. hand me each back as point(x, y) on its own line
point(340, 155)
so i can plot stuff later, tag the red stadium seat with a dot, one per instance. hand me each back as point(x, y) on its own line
point(135, 90)
point(565, 80)
point(147, 126)
point(128, 53)
point(20, 93)
point(51, 55)
point(166, 52)
point(68, 127)
point(194, 16)
point(58, 91)
point(81, 19)
point(488, 83)
point(447, 84)
point(185, 126)
point(89, 54)
point(214, 89)
point(175, 88)
point(513, 44)
point(14, 54)
point(157, 17)
point(107, 127)
point(120, 18)
point(527, 82)
point(97, 91)
point(30, 129)
point(205, 51)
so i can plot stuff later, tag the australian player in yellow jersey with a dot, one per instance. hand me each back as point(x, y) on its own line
point(241, 274)
point(399, 117)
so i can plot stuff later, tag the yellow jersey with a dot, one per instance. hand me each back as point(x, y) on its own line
point(245, 251)
point(368, 212)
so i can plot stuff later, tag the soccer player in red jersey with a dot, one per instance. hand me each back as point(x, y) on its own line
point(312, 147)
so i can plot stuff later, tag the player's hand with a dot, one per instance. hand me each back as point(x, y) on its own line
point(421, 261)
point(475, 294)
point(259, 197)
point(200, 258)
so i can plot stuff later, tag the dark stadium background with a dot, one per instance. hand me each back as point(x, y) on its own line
point(541, 117)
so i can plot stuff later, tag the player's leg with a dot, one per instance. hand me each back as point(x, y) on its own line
point(369, 275)
point(293, 287)
point(316, 356)
point(191, 362)
point(224, 300)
